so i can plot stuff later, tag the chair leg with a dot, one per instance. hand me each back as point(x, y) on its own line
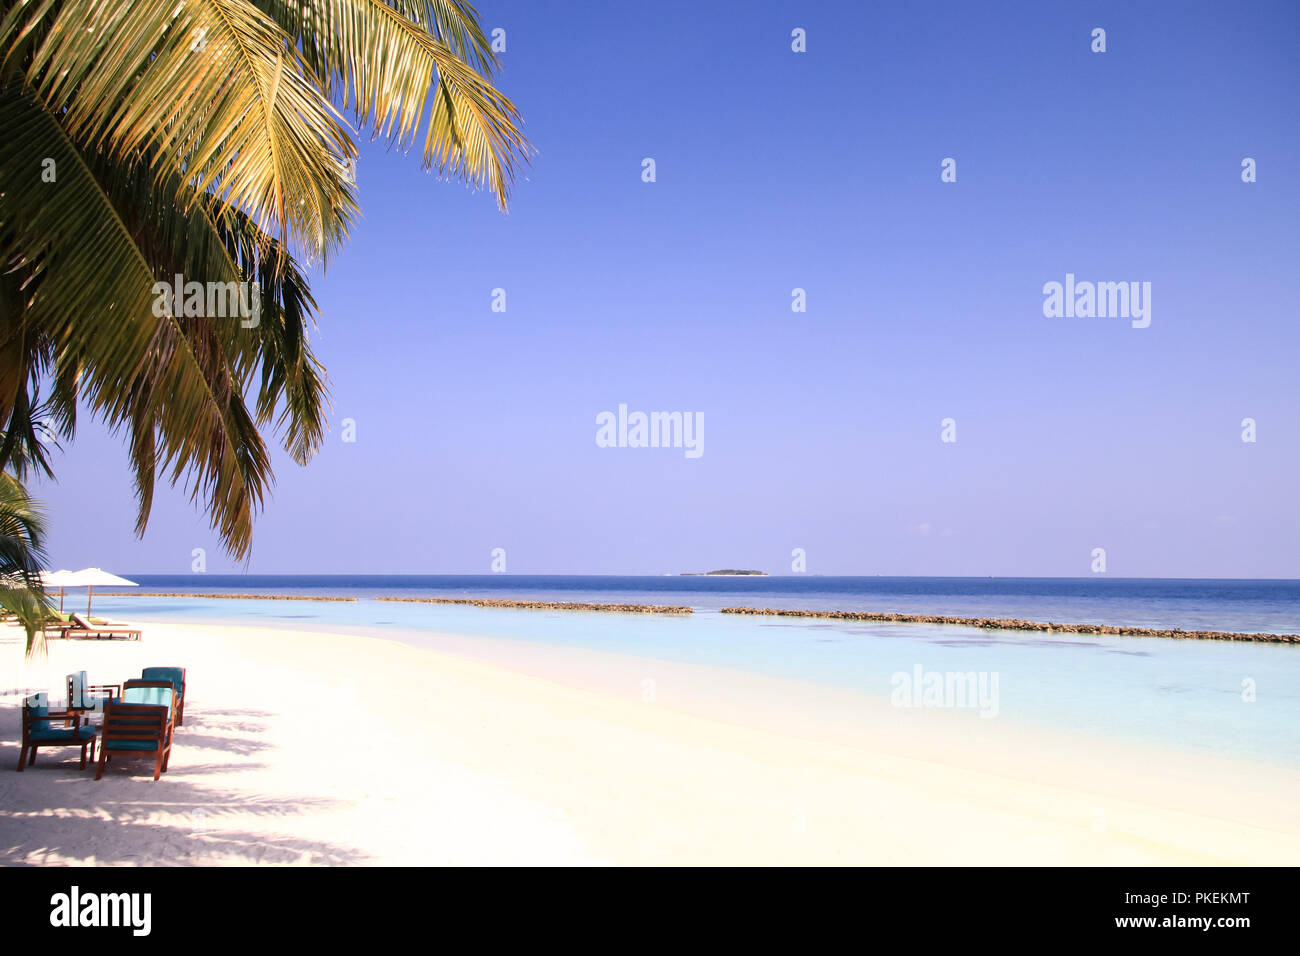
point(103, 759)
point(157, 766)
point(22, 757)
point(32, 760)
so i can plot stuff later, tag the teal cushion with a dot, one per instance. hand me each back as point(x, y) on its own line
point(66, 736)
point(174, 674)
point(156, 696)
point(129, 744)
point(38, 705)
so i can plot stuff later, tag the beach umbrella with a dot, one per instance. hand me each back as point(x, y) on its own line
point(91, 578)
point(57, 579)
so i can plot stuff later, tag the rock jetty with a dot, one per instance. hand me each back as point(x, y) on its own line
point(1015, 624)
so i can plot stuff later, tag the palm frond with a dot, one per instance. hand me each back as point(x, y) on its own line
point(212, 92)
point(92, 295)
point(205, 138)
point(398, 68)
point(456, 24)
point(22, 534)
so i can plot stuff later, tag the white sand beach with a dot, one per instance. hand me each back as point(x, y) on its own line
point(306, 748)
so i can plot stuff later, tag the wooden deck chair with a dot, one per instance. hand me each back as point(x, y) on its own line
point(84, 696)
point(177, 677)
point(139, 726)
point(156, 693)
point(38, 731)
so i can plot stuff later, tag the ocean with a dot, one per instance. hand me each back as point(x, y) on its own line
point(1237, 700)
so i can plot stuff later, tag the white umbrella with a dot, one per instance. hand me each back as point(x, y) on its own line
point(89, 578)
point(57, 579)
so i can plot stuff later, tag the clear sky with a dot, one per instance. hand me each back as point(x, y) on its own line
point(820, 170)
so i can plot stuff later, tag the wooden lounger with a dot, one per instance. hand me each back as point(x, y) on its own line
point(83, 629)
point(61, 627)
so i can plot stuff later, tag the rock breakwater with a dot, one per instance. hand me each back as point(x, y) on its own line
point(1015, 624)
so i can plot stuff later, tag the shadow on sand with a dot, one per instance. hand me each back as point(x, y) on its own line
point(54, 811)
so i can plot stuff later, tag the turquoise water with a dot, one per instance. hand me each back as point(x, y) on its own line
point(1182, 694)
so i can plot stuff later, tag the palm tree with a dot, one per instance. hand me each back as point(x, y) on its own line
point(207, 139)
point(32, 610)
point(22, 528)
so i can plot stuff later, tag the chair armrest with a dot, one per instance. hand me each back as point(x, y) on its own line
point(64, 715)
point(96, 688)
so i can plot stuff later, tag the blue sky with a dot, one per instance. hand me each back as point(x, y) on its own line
point(476, 429)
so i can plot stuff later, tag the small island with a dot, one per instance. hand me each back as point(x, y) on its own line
point(726, 572)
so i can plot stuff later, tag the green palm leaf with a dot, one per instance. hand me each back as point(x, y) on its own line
point(211, 91)
point(380, 63)
point(204, 138)
point(138, 369)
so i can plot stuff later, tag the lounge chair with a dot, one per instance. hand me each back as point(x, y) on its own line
point(84, 629)
point(177, 677)
point(59, 622)
point(38, 732)
point(140, 725)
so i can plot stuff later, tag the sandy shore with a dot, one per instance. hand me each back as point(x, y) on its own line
point(303, 748)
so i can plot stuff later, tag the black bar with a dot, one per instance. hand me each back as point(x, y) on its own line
point(947, 906)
